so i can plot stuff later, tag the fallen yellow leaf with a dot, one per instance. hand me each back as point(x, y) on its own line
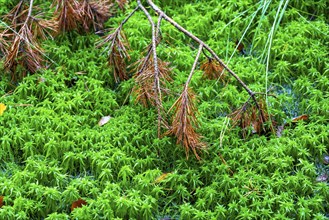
point(161, 178)
point(2, 108)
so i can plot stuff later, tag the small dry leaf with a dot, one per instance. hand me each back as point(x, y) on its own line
point(23, 105)
point(279, 130)
point(300, 118)
point(2, 108)
point(161, 178)
point(326, 159)
point(41, 80)
point(322, 178)
point(104, 120)
point(80, 73)
point(78, 204)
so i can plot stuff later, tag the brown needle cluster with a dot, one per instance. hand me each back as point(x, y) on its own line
point(212, 69)
point(117, 45)
point(249, 117)
point(90, 15)
point(19, 41)
point(185, 122)
point(144, 88)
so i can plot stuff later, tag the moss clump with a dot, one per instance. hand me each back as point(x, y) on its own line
point(53, 152)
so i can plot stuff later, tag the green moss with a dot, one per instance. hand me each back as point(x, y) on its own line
point(53, 152)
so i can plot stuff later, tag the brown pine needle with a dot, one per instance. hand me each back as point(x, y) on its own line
point(212, 69)
point(184, 123)
point(122, 3)
point(67, 14)
point(249, 116)
point(144, 78)
point(94, 14)
point(24, 47)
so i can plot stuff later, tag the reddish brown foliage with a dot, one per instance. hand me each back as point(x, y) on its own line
point(42, 28)
point(145, 88)
point(91, 15)
point(4, 43)
point(67, 14)
point(250, 117)
point(17, 15)
point(212, 69)
point(94, 14)
point(78, 204)
point(19, 41)
point(117, 54)
point(122, 3)
point(24, 51)
point(1, 201)
point(184, 123)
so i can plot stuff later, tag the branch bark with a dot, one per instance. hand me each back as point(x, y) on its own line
point(158, 99)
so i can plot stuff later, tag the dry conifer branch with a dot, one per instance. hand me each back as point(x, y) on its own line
point(23, 44)
point(157, 88)
point(184, 120)
point(149, 50)
point(117, 50)
point(148, 67)
point(189, 34)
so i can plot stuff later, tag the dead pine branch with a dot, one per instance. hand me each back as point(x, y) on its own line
point(151, 73)
point(24, 49)
point(157, 87)
point(116, 44)
point(251, 121)
point(184, 120)
point(21, 35)
point(144, 77)
point(213, 54)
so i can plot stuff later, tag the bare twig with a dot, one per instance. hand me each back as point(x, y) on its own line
point(155, 32)
point(149, 50)
point(194, 65)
